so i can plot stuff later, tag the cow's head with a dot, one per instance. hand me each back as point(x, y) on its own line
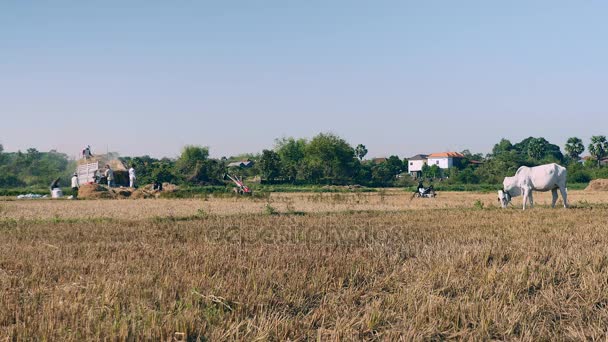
point(510, 189)
point(504, 198)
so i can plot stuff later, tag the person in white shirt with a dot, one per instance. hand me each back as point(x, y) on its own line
point(75, 185)
point(132, 177)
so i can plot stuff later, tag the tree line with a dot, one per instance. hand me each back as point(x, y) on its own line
point(324, 159)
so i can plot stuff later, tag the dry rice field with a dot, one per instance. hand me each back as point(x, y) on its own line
point(302, 266)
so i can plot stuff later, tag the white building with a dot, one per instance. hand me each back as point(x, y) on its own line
point(443, 160)
point(415, 164)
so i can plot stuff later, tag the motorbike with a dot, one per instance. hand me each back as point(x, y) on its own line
point(425, 192)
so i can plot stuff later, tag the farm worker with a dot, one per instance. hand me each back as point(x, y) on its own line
point(420, 186)
point(131, 177)
point(86, 152)
point(97, 177)
point(55, 184)
point(75, 185)
point(109, 176)
point(158, 185)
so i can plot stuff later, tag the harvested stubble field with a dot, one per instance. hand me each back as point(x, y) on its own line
point(304, 266)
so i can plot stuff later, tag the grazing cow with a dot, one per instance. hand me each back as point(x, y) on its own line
point(539, 178)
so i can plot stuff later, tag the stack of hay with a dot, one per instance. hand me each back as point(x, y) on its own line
point(97, 191)
point(94, 191)
point(597, 185)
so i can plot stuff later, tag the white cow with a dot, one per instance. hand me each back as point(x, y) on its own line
point(539, 178)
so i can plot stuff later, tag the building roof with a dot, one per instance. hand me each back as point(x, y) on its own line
point(592, 158)
point(241, 163)
point(418, 157)
point(379, 160)
point(446, 155)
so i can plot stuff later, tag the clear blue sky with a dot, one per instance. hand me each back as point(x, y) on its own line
point(402, 77)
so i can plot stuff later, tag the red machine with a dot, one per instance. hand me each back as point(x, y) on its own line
point(241, 188)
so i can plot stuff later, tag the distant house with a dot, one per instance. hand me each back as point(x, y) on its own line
point(603, 162)
point(415, 164)
point(243, 164)
point(444, 160)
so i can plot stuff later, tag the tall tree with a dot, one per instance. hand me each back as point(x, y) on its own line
point(291, 151)
point(537, 148)
point(331, 157)
point(360, 151)
point(503, 146)
point(195, 166)
point(574, 147)
point(598, 148)
point(270, 164)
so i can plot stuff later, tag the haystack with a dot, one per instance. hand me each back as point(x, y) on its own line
point(94, 191)
point(167, 187)
point(597, 185)
point(121, 193)
point(141, 194)
point(104, 160)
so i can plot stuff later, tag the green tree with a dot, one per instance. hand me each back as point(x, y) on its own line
point(425, 170)
point(467, 176)
point(291, 152)
point(161, 172)
point(537, 148)
point(270, 165)
point(194, 166)
point(598, 148)
point(503, 146)
point(382, 175)
point(330, 157)
point(360, 151)
point(395, 164)
point(432, 171)
point(499, 166)
point(574, 147)
point(149, 169)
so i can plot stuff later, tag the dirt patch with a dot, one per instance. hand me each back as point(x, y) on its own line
point(598, 185)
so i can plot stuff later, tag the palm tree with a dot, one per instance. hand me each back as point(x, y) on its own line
point(574, 147)
point(598, 148)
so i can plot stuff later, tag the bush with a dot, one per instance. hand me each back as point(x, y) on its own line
point(579, 177)
point(10, 181)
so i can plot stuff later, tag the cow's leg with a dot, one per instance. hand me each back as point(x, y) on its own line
point(531, 199)
point(564, 193)
point(554, 200)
